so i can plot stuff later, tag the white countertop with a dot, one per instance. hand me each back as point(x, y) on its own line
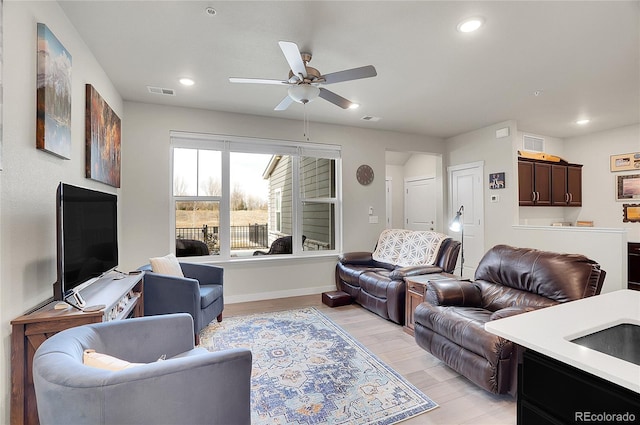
point(549, 331)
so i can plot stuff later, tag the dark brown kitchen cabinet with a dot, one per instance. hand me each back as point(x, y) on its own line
point(542, 183)
point(566, 185)
point(534, 183)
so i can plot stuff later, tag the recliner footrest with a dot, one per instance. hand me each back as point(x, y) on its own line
point(336, 298)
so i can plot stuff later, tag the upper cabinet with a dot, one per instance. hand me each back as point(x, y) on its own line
point(534, 183)
point(544, 183)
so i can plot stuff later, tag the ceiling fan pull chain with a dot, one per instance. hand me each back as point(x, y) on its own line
point(305, 123)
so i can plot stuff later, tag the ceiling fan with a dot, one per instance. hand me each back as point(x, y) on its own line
point(305, 83)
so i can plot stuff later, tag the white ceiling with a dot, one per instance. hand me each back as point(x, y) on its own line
point(432, 79)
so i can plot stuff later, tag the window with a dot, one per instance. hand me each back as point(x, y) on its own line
point(277, 209)
point(233, 197)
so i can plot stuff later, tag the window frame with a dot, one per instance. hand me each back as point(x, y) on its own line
point(228, 144)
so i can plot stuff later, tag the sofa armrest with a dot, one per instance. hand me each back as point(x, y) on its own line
point(453, 292)
point(408, 271)
point(510, 311)
point(360, 257)
point(165, 294)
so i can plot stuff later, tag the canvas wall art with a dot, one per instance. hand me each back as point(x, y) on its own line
point(103, 132)
point(53, 111)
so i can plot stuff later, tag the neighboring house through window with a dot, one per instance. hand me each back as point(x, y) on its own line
point(235, 197)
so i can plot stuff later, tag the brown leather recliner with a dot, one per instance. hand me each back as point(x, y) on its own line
point(508, 281)
point(380, 286)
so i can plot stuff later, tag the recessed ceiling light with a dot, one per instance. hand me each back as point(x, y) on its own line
point(210, 11)
point(186, 81)
point(583, 121)
point(470, 24)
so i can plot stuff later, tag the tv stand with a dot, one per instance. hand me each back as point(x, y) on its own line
point(122, 297)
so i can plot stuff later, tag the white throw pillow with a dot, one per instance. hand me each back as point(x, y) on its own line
point(106, 362)
point(166, 265)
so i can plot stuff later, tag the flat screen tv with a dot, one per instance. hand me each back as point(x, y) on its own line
point(87, 237)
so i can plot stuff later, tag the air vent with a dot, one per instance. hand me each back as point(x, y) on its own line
point(532, 143)
point(370, 118)
point(160, 90)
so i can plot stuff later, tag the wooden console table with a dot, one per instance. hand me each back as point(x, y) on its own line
point(123, 298)
point(416, 285)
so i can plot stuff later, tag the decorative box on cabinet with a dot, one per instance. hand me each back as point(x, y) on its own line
point(122, 297)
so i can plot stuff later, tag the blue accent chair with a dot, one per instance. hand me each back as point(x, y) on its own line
point(199, 293)
point(192, 386)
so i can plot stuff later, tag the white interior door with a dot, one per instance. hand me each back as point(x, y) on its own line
point(420, 204)
point(466, 189)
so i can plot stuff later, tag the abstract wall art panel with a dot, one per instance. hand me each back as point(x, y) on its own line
point(103, 132)
point(53, 111)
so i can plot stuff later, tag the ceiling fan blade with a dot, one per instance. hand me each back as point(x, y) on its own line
point(293, 57)
point(284, 104)
point(334, 98)
point(350, 74)
point(258, 81)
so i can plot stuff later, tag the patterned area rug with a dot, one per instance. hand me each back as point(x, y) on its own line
point(307, 370)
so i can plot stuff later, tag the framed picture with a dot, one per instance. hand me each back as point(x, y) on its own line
point(625, 162)
point(628, 187)
point(496, 181)
point(631, 213)
point(102, 135)
point(53, 110)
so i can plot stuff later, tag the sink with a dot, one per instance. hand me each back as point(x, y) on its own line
point(621, 341)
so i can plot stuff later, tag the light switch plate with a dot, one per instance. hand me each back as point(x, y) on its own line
point(373, 219)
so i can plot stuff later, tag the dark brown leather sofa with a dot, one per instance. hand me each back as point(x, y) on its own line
point(508, 281)
point(379, 286)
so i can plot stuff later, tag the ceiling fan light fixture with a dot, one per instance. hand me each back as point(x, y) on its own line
point(470, 24)
point(354, 106)
point(303, 93)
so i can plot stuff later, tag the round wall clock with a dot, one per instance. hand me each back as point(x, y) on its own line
point(364, 174)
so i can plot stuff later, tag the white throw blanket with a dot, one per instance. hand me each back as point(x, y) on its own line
point(408, 247)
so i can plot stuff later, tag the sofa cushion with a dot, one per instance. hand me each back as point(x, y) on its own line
point(350, 273)
point(496, 297)
point(208, 294)
point(560, 277)
point(465, 327)
point(375, 282)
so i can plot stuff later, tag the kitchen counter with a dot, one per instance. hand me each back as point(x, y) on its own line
point(549, 331)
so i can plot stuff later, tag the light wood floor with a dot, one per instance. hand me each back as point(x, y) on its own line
point(459, 400)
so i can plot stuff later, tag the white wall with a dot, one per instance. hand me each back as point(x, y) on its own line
point(396, 174)
point(146, 186)
point(498, 155)
point(29, 177)
point(598, 182)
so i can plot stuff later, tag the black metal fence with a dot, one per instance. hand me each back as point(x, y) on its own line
point(242, 237)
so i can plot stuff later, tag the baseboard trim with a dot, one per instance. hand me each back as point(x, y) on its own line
point(271, 295)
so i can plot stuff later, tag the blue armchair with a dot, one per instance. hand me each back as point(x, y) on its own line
point(192, 386)
point(199, 293)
